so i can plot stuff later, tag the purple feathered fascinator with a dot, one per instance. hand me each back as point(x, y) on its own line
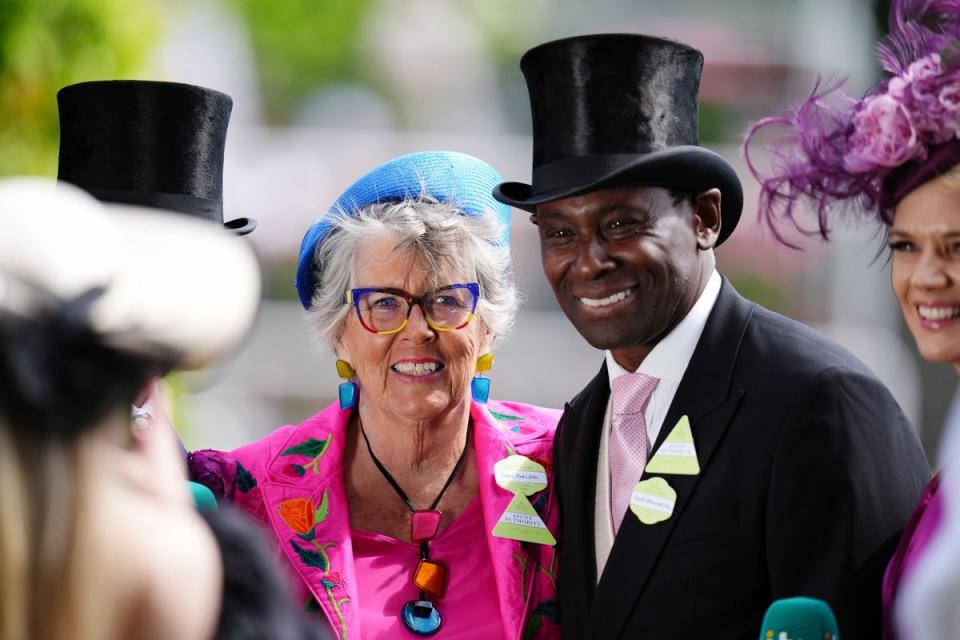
point(869, 153)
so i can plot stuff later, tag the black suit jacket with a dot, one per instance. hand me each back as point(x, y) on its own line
point(809, 471)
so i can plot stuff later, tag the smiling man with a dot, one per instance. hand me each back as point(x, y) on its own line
point(724, 456)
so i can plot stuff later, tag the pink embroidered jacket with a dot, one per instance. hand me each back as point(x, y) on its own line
point(292, 481)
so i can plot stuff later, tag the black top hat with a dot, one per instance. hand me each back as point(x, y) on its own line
point(154, 144)
point(616, 109)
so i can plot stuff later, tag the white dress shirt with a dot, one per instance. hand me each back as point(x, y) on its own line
point(668, 362)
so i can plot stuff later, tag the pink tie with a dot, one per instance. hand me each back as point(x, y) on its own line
point(627, 448)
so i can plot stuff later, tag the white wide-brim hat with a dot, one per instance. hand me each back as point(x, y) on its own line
point(174, 288)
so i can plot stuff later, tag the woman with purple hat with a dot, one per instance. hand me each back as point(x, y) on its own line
point(415, 505)
point(892, 157)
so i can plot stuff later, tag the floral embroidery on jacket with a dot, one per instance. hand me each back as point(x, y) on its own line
point(302, 517)
point(549, 609)
point(245, 480)
point(313, 449)
point(506, 417)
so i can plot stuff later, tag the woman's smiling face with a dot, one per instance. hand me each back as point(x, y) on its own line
point(418, 373)
point(925, 241)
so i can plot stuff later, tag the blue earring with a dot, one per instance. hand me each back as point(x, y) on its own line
point(348, 389)
point(480, 385)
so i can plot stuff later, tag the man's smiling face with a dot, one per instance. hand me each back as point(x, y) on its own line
point(627, 263)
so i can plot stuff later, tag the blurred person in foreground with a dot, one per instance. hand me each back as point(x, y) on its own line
point(413, 505)
point(893, 158)
point(724, 456)
point(98, 535)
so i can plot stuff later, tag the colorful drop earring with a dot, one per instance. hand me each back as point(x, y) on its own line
point(480, 385)
point(348, 388)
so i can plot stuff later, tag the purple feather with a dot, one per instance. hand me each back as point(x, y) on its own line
point(837, 151)
point(918, 28)
point(807, 163)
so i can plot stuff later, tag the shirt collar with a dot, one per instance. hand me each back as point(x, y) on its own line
point(669, 358)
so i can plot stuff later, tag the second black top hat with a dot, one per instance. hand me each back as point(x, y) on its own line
point(155, 144)
point(618, 109)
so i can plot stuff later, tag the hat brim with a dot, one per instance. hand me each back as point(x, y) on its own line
point(176, 289)
point(240, 226)
point(686, 168)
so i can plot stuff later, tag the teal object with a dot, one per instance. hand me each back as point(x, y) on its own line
point(799, 619)
point(480, 389)
point(348, 395)
point(203, 499)
point(421, 617)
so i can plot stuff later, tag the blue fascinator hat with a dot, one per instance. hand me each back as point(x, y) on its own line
point(447, 176)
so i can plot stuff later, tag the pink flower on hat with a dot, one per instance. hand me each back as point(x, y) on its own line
point(898, 87)
point(950, 99)
point(926, 67)
point(883, 134)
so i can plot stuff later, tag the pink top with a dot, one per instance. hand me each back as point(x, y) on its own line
point(916, 538)
point(385, 566)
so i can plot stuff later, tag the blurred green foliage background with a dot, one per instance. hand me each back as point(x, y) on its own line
point(299, 45)
point(47, 44)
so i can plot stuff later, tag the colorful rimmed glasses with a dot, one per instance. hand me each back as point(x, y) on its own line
point(383, 310)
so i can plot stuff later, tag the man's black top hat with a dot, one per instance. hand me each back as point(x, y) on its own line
point(618, 109)
point(154, 144)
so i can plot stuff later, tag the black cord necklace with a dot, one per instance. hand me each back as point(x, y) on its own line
point(421, 616)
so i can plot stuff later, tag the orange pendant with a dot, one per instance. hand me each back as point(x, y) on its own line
point(431, 577)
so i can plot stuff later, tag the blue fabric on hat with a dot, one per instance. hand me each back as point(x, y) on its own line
point(447, 176)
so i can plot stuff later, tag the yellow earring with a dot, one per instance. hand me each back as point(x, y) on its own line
point(348, 388)
point(480, 385)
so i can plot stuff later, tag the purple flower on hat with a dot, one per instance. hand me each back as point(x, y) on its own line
point(926, 67)
point(883, 134)
point(214, 469)
point(949, 98)
point(847, 156)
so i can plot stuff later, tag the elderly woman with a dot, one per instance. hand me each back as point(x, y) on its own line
point(896, 155)
point(403, 508)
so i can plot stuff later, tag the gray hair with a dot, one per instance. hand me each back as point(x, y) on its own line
point(439, 233)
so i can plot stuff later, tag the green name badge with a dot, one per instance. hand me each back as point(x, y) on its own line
point(522, 522)
point(677, 455)
point(523, 477)
point(653, 500)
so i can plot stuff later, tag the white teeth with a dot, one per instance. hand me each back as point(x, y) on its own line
point(416, 369)
point(938, 313)
point(602, 302)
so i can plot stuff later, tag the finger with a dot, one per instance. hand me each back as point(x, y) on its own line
point(149, 389)
point(157, 450)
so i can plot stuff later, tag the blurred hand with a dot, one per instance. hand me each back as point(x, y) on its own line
point(155, 464)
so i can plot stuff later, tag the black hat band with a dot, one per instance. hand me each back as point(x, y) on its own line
point(562, 173)
point(191, 205)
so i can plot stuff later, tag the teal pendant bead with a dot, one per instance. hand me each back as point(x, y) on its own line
point(421, 617)
point(348, 395)
point(480, 389)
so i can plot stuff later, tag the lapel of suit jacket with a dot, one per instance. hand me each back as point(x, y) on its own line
point(706, 397)
point(578, 442)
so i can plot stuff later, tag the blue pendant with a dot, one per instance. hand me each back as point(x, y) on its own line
point(480, 389)
point(348, 395)
point(421, 617)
